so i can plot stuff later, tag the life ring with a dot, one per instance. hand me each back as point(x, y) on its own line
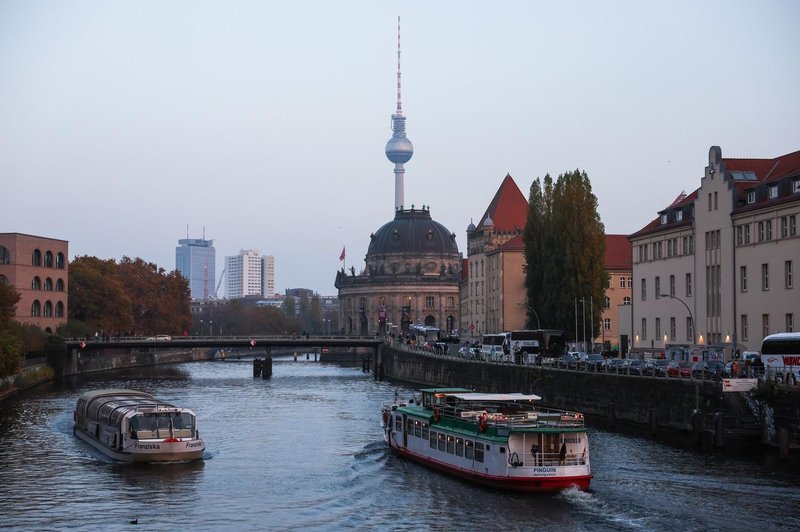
point(437, 414)
point(482, 421)
point(385, 417)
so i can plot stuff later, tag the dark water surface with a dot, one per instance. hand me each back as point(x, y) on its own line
point(304, 451)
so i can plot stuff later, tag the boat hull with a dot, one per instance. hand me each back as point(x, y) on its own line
point(504, 482)
point(148, 452)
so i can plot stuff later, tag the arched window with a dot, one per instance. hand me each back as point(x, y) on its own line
point(5, 255)
point(60, 285)
point(48, 309)
point(36, 259)
point(36, 283)
point(48, 284)
point(59, 310)
point(3, 279)
point(60, 261)
point(48, 259)
point(626, 300)
point(36, 308)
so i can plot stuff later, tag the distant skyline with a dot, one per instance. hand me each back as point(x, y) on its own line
point(265, 123)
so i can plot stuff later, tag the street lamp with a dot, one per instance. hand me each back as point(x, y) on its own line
point(538, 323)
point(210, 327)
point(691, 318)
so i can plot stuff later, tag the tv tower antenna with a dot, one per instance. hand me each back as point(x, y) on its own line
point(399, 149)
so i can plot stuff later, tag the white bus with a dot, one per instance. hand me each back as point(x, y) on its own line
point(492, 348)
point(780, 354)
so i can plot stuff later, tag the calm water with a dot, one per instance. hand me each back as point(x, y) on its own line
point(304, 451)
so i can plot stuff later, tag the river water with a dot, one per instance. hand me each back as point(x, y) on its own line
point(304, 451)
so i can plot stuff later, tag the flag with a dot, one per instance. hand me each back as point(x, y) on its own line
point(341, 257)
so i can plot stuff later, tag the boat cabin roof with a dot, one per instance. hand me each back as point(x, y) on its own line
point(500, 397)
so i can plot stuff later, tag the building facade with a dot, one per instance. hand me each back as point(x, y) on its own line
point(619, 266)
point(38, 268)
point(249, 274)
point(195, 258)
point(716, 268)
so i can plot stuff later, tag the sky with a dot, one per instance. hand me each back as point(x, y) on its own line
point(262, 125)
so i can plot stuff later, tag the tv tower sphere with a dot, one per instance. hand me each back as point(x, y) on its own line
point(399, 149)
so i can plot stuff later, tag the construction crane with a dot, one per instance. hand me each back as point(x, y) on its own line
point(216, 290)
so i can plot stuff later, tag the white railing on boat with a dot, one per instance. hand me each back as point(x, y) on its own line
point(522, 420)
point(545, 460)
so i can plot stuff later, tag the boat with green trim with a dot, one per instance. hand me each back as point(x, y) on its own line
point(500, 440)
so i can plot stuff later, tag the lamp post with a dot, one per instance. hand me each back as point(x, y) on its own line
point(210, 327)
point(202, 331)
point(538, 323)
point(691, 318)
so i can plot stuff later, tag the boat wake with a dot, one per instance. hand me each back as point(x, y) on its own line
point(600, 510)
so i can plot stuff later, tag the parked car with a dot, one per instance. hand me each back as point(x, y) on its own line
point(634, 367)
point(655, 367)
point(679, 368)
point(708, 369)
point(568, 360)
point(593, 362)
point(614, 365)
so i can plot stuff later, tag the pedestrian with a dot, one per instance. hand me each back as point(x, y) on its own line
point(562, 454)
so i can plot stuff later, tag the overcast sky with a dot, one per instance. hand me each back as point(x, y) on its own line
point(122, 123)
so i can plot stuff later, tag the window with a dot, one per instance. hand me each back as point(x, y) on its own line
point(629, 282)
point(784, 226)
point(658, 329)
point(606, 324)
point(793, 225)
point(626, 300)
point(709, 201)
point(657, 295)
point(60, 261)
point(743, 278)
point(48, 259)
point(644, 289)
point(451, 302)
point(429, 302)
point(59, 310)
point(478, 451)
point(48, 284)
point(663, 219)
point(761, 232)
point(451, 444)
point(739, 235)
point(48, 309)
point(787, 274)
point(433, 439)
point(716, 205)
point(747, 234)
point(607, 302)
point(678, 215)
point(769, 229)
point(424, 430)
point(60, 285)
point(442, 443)
point(772, 191)
point(36, 258)
point(469, 449)
point(36, 308)
point(765, 276)
point(398, 423)
point(765, 325)
point(459, 447)
point(672, 329)
point(795, 186)
point(3, 280)
point(5, 255)
point(622, 282)
point(689, 330)
point(688, 285)
point(644, 328)
point(751, 197)
point(790, 323)
point(36, 283)
point(743, 331)
point(672, 285)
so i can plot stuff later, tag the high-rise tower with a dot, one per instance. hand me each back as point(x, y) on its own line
point(399, 149)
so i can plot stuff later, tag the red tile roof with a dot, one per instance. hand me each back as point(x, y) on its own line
point(515, 244)
point(767, 169)
point(464, 269)
point(508, 209)
point(619, 252)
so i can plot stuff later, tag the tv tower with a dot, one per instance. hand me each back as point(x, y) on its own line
point(399, 149)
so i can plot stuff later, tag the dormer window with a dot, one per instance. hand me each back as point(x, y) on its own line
point(678, 215)
point(751, 197)
point(663, 219)
point(773, 191)
point(796, 186)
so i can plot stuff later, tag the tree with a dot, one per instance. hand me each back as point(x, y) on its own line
point(10, 343)
point(9, 297)
point(565, 254)
point(97, 296)
point(289, 307)
point(159, 300)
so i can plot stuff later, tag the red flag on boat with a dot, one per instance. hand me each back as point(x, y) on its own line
point(341, 257)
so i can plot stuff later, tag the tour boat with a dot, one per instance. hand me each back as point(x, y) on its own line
point(133, 426)
point(499, 440)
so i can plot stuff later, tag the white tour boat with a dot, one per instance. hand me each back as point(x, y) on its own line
point(499, 440)
point(133, 426)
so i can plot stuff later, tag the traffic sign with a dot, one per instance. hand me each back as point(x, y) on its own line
point(252, 343)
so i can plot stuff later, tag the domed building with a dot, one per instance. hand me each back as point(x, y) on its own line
point(413, 265)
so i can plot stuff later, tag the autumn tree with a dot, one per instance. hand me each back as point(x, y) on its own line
point(10, 344)
point(565, 254)
point(97, 297)
point(159, 299)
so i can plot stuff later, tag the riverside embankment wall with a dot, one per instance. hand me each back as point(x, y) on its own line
point(656, 404)
point(111, 360)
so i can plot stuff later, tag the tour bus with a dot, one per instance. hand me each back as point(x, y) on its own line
point(492, 348)
point(780, 354)
point(532, 346)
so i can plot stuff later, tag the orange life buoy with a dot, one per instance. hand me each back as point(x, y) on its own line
point(385, 417)
point(437, 414)
point(482, 421)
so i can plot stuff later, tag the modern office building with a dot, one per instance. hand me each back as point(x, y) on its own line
point(716, 267)
point(249, 274)
point(195, 258)
point(37, 267)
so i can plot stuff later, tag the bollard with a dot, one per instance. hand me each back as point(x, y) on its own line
point(257, 367)
point(295, 356)
point(266, 371)
point(315, 356)
point(307, 354)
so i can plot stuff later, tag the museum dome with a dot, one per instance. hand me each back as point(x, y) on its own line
point(412, 232)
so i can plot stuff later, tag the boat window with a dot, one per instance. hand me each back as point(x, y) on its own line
point(469, 451)
point(502, 450)
point(459, 447)
point(441, 441)
point(478, 451)
point(451, 444)
point(410, 426)
point(418, 428)
point(433, 440)
point(424, 430)
point(398, 423)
